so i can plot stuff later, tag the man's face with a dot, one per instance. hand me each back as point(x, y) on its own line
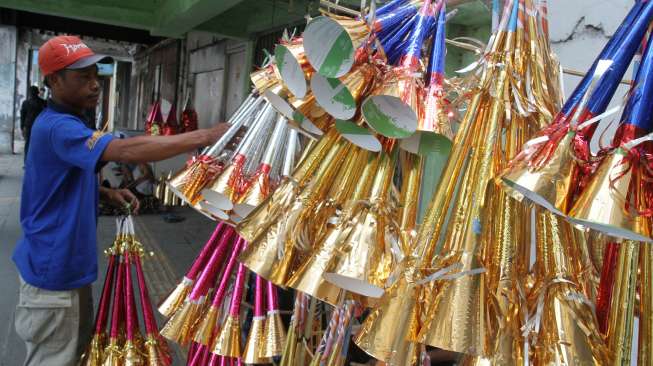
point(79, 89)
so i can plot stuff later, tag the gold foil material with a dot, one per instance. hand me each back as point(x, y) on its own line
point(227, 342)
point(601, 205)
point(645, 343)
point(262, 256)
point(568, 331)
point(222, 184)
point(621, 318)
point(457, 319)
point(384, 332)
point(157, 351)
point(309, 109)
point(275, 335)
point(262, 217)
point(93, 354)
point(257, 191)
point(326, 227)
point(176, 298)
point(112, 354)
point(256, 343)
point(366, 258)
point(292, 342)
point(179, 326)
point(204, 331)
point(131, 355)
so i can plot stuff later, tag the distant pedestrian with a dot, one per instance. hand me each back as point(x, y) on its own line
point(29, 110)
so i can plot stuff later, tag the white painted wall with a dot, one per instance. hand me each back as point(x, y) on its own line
point(579, 29)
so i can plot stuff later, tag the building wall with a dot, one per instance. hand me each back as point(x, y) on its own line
point(8, 37)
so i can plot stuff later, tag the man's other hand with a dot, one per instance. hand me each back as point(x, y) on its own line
point(123, 198)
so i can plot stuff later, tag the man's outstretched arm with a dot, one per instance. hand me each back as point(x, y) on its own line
point(143, 149)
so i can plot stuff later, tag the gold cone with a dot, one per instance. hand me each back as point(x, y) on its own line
point(176, 298)
point(384, 332)
point(262, 256)
point(366, 258)
point(93, 354)
point(228, 341)
point(645, 355)
point(255, 343)
point(158, 353)
point(112, 354)
point(601, 205)
point(289, 354)
point(204, 332)
point(255, 194)
point(327, 227)
point(260, 219)
point(275, 335)
point(179, 326)
point(223, 185)
point(457, 319)
point(178, 183)
point(550, 185)
point(265, 78)
point(569, 329)
point(132, 356)
point(621, 317)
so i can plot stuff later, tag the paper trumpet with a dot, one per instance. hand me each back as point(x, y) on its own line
point(340, 96)
point(294, 67)
point(255, 345)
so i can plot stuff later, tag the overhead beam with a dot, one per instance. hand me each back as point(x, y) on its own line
point(97, 12)
point(176, 17)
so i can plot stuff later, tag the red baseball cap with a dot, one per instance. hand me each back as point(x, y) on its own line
point(67, 52)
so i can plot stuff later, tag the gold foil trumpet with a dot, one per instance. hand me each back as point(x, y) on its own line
point(265, 78)
point(645, 354)
point(347, 185)
point(564, 324)
point(601, 204)
point(366, 252)
point(273, 254)
point(621, 318)
point(266, 214)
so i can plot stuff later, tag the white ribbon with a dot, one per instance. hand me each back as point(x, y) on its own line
point(591, 121)
point(632, 143)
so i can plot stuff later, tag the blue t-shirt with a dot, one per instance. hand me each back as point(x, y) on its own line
point(59, 202)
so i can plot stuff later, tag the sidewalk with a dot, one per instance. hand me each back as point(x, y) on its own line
point(174, 247)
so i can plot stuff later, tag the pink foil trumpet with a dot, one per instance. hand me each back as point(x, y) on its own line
point(130, 353)
point(158, 353)
point(93, 354)
point(275, 332)
point(176, 298)
point(255, 345)
point(207, 329)
point(113, 352)
point(179, 327)
point(228, 341)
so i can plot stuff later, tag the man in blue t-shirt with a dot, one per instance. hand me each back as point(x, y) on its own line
point(57, 253)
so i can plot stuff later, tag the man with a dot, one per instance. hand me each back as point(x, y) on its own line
point(29, 110)
point(57, 254)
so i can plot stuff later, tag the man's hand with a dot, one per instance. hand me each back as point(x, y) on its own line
point(122, 198)
point(214, 133)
